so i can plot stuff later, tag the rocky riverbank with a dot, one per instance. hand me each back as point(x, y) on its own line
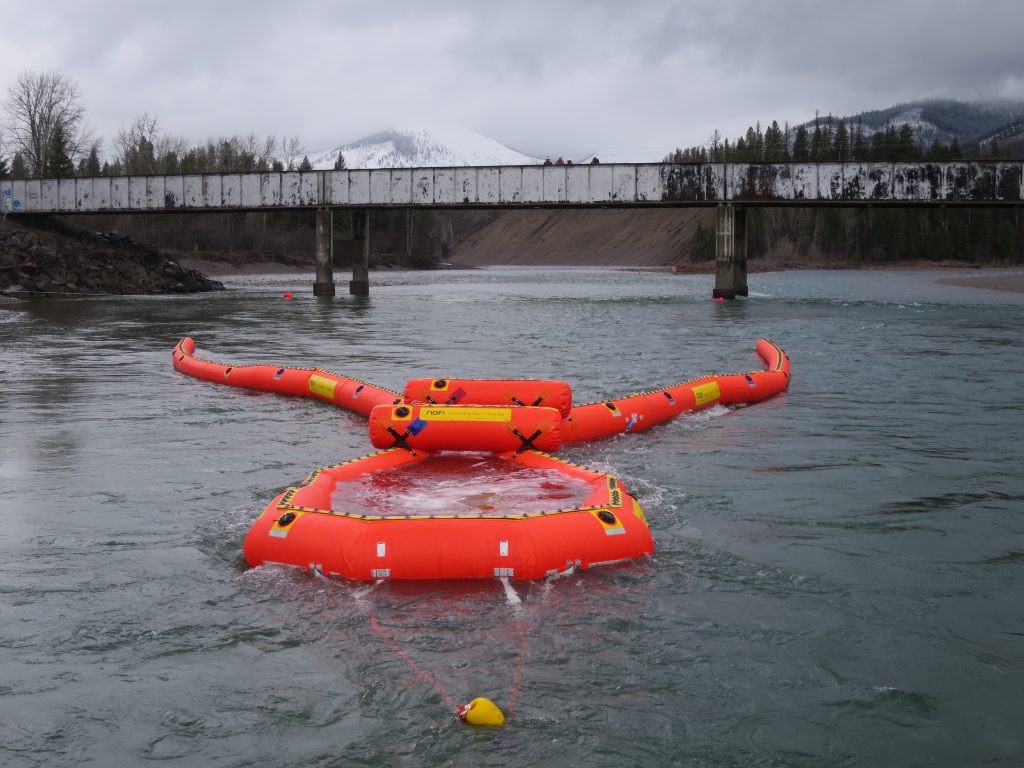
point(50, 256)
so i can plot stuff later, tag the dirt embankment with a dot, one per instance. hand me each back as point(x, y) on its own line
point(611, 237)
point(219, 264)
point(51, 256)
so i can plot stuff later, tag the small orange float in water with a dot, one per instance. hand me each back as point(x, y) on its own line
point(287, 294)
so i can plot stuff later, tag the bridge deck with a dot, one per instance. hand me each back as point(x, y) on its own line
point(532, 186)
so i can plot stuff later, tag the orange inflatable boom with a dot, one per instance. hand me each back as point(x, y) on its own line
point(635, 413)
point(353, 394)
point(590, 421)
point(465, 428)
point(533, 392)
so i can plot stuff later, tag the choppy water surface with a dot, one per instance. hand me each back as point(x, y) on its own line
point(465, 484)
point(837, 580)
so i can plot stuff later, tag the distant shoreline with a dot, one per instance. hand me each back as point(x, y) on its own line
point(1012, 282)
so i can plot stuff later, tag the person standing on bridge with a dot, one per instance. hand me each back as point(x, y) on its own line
point(547, 161)
point(559, 161)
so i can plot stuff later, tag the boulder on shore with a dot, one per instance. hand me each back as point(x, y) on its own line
point(42, 255)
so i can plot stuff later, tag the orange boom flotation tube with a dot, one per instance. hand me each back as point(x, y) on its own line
point(353, 394)
point(590, 421)
point(635, 413)
point(533, 392)
point(465, 428)
point(351, 520)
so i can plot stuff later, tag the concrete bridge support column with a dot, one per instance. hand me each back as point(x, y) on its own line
point(740, 273)
point(359, 285)
point(324, 285)
point(730, 252)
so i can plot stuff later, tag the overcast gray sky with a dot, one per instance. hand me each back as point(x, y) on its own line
point(550, 77)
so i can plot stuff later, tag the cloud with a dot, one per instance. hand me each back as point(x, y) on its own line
point(552, 77)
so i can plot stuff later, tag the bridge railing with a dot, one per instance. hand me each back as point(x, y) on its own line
point(604, 185)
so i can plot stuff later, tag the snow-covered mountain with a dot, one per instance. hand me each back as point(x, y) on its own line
point(938, 118)
point(423, 148)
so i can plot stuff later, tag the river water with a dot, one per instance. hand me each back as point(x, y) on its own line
point(838, 575)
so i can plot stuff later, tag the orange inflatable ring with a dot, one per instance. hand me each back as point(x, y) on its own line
point(301, 528)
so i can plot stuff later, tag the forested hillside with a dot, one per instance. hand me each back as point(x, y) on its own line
point(850, 236)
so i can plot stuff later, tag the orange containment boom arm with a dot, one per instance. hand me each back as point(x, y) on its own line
point(316, 383)
point(635, 413)
point(591, 421)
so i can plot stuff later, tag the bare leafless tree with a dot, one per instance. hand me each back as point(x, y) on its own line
point(37, 103)
point(169, 146)
point(293, 151)
point(714, 144)
point(268, 149)
point(143, 128)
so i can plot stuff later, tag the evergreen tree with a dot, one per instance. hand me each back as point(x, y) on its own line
point(774, 143)
point(883, 145)
point(226, 160)
point(860, 144)
point(955, 153)
point(4, 170)
point(277, 166)
point(907, 148)
point(19, 168)
point(92, 163)
point(140, 160)
point(819, 146)
point(841, 143)
point(58, 163)
point(305, 165)
point(339, 163)
point(801, 148)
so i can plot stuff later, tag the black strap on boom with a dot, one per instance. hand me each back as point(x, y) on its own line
point(527, 442)
point(400, 440)
point(534, 404)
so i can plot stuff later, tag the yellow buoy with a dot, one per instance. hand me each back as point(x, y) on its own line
point(481, 711)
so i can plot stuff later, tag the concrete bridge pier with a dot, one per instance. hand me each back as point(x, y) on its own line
point(730, 252)
point(359, 285)
point(324, 284)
